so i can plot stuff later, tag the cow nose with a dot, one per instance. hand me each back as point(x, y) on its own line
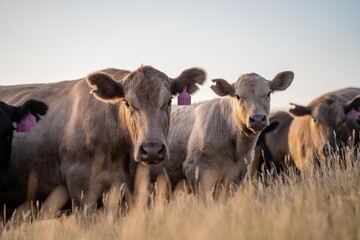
point(258, 122)
point(152, 153)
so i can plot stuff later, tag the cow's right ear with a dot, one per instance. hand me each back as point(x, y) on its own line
point(299, 110)
point(104, 87)
point(353, 104)
point(222, 87)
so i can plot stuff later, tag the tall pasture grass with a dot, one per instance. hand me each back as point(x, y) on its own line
point(323, 204)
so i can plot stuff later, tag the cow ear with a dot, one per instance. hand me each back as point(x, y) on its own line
point(188, 78)
point(272, 126)
point(104, 87)
point(282, 81)
point(298, 110)
point(35, 107)
point(222, 87)
point(353, 104)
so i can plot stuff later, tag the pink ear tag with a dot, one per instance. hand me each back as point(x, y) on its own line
point(352, 114)
point(26, 123)
point(184, 98)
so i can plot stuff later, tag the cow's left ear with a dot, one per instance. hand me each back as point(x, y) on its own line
point(272, 126)
point(104, 87)
point(299, 110)
point(353, 104)
point(282, 81)
point(189, 78)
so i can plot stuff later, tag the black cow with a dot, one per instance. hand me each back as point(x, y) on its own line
point(8, 115)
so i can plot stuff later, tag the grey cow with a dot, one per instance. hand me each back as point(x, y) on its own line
point(85, 145)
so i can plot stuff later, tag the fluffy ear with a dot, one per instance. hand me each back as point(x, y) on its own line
point(282, 81)
point(222, 87)
point(104, 87)
point(353, 104)
point(298, 110)
point(189, 78)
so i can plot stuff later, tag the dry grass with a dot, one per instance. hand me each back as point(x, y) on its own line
point(322, 205)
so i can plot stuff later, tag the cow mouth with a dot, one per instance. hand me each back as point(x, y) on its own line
point(250, 131)
point(151, 162)
point(255, 129)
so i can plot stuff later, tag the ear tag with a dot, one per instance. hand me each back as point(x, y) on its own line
point(26, 123)
point(184, 98)
point(352, 115)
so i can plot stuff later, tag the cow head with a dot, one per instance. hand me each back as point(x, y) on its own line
point(8, 115)
point(328, 116)
point(145, 97)
point(251, 98)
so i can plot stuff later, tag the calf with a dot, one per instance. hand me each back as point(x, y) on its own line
point(218, 137)
point(8, 115)
point(323, 126)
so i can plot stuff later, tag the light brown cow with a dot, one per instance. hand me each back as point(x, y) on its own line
point(86, 144)
point(322, 125)
point(272, 149)
point(218, 137)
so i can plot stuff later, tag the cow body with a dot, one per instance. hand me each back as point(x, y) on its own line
point(215, 140)
point(323, 126)
point(85, 144)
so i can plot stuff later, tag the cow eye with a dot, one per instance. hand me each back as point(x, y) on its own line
point(237, 97)
point(314, 119)
point(170, 101)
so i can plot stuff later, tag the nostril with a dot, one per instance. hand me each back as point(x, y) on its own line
point(162, 150)
point(263, 118)
point(252, 120)
point(143, 152)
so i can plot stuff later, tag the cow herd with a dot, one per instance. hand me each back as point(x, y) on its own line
point(94, 131)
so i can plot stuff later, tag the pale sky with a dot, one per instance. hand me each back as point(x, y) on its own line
point(45, 41)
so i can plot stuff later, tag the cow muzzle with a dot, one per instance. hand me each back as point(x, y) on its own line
point(152, 153)
point(257, 122)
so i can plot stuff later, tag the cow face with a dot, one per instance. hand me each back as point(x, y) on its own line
point(328, 116)
point(251, 98)
point(145, 97)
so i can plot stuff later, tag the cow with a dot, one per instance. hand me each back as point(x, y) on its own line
point(323, 126)
point(14, 114)
point(272, 149)
point(95, 127)
point(217, 137)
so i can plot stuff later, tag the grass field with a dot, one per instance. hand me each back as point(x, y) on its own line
point(322, 205)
